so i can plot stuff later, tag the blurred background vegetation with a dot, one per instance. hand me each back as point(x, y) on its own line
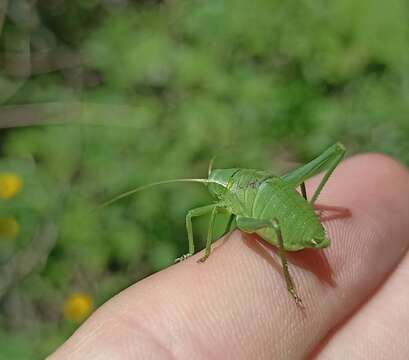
point(98, 96)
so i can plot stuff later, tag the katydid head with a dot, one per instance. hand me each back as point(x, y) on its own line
point(219, 181)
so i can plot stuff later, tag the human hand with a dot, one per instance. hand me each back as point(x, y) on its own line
point(236, 306)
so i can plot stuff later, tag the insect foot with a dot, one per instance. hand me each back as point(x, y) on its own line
point(183, 257)
point(297, 299)
point(203, 259)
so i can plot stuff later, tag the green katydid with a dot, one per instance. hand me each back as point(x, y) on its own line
point(268, 206)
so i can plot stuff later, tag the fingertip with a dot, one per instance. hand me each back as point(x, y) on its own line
point(379, 165)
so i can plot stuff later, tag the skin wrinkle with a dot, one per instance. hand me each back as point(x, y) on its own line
point(96, 329)
point(248, 328)
point(223, 302)
point(200, 347)
point(228, 304)
point(191, 312)
point(75, 350)
point(133, 324)
point(384, 235)
point(133, 332)
point(171, 327)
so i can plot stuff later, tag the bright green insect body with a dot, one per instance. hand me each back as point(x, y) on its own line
point(254, 194)
point(267, 205)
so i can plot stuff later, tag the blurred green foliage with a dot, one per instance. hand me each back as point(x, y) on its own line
point(142, 91)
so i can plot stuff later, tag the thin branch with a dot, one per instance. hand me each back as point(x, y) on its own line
point(94, 114)
point(41, 62)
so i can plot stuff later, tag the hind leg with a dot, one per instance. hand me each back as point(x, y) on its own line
point(250, 225)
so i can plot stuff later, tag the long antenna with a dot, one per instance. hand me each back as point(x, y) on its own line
point(144, 187)
point(210, 168)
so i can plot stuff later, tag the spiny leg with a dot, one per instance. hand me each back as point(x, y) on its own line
point(288, 279)
point(203, 210)
point(340, 212)
point(209, 235)
point(251, 225)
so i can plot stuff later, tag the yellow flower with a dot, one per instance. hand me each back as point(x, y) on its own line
point(9, 228)
point(77, 307)
point(10, 185)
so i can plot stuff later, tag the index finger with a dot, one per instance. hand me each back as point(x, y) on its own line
point(236, 306)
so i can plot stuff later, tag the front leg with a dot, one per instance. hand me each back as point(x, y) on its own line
point(203, 210)
point(250, 225)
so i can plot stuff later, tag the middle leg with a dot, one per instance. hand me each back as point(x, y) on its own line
point(209, 240)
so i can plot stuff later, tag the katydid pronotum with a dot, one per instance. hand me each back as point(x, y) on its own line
point(267, 205)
